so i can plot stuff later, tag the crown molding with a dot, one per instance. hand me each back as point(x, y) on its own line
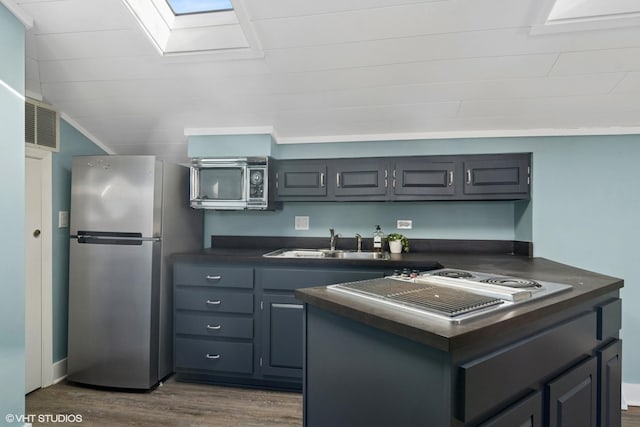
point(86, 133)
point(507, 133)
point(19, 13)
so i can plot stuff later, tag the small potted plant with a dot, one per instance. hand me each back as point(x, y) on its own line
point(397, 243)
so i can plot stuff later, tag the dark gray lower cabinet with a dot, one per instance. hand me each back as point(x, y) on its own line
point(281, 314)
point(610, 375)
point(526, 413)
point(241, 324)
point(551, 372)
point(572, 397)
point(282, 335)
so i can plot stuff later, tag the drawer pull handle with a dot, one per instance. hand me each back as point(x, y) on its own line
point(212, 356)
point(215, 328)
point(218, 302)
point(213, 277)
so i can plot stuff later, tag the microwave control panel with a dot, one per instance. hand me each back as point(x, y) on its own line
point(257, 182)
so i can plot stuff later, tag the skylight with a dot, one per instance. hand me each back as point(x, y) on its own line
point(184, 7)
point(197, 26)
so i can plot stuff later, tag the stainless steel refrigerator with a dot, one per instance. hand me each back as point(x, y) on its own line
point(128, 214)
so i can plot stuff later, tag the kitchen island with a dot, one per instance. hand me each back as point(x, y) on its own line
point(550, 362)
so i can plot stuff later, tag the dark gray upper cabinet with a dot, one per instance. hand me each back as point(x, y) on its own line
point(498, 176)
point(424, 178)
point(301, 179)
point(459, 177)
point(359, 179)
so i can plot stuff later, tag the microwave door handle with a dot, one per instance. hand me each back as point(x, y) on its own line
point(244, 181)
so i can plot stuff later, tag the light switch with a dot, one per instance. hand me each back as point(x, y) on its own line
point(63, 219)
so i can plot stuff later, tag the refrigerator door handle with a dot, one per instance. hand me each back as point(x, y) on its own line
point(107, 238)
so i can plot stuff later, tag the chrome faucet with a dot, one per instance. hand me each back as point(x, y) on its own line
point(359, 242)
point(334, 239)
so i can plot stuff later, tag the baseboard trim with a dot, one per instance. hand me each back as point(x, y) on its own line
point(630, 395)
point(59, 371)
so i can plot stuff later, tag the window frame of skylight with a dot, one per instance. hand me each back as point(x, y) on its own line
point(173, 22)
point(197, 12)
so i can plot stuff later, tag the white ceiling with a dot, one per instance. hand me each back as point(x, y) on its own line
point(337, 70)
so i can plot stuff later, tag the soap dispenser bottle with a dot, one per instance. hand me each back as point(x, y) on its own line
point(378, 238)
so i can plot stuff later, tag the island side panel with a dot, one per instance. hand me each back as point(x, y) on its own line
point(356, 375)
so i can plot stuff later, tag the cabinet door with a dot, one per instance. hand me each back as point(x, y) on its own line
point(497, 175)
point(296, 180)
point(359, 179)
point(572, 396)
point(525, 413)
point(423, 177)
point(282, 336)
point(281, 319)
point(609, 392)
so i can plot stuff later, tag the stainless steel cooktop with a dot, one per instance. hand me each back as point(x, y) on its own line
point(450, 294)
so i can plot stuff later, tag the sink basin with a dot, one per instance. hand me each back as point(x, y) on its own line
point(297, 253)
point(325, 253)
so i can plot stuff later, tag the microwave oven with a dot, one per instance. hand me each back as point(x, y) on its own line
point(233, 183)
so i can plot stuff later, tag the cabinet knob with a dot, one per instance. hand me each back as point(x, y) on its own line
point(212, 356)
point(213, 277)
point(218, 302)
point(215, 328)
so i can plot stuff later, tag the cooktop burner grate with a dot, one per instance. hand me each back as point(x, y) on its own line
point(428, 297)
point(512, 282)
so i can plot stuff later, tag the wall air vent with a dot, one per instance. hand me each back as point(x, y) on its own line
point(41, 125)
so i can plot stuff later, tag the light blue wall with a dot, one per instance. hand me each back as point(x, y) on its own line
point(438, 220)
point(230, 145)
point(72, 143)
point(12, 367)
point(586, 210)
point(583, 212)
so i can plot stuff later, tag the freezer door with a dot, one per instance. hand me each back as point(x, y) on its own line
point(116, 193)
point(113, 314)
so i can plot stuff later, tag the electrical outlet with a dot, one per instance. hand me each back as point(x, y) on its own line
point(404, 224)
point(301, 222)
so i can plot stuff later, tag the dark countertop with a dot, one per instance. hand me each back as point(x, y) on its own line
point(448, 336)
point(437, 333)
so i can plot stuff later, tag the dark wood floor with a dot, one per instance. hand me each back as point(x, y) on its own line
point(183, 404)
point(172, 404)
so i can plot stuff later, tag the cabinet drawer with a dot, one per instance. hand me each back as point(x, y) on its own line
point(490, 380)
point(609, 319)
point(213, 325)
point(214, 355)
point(213, 300)
point(212, 275)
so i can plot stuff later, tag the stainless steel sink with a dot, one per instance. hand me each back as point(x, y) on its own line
point(325, 253)
point(360, 255)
